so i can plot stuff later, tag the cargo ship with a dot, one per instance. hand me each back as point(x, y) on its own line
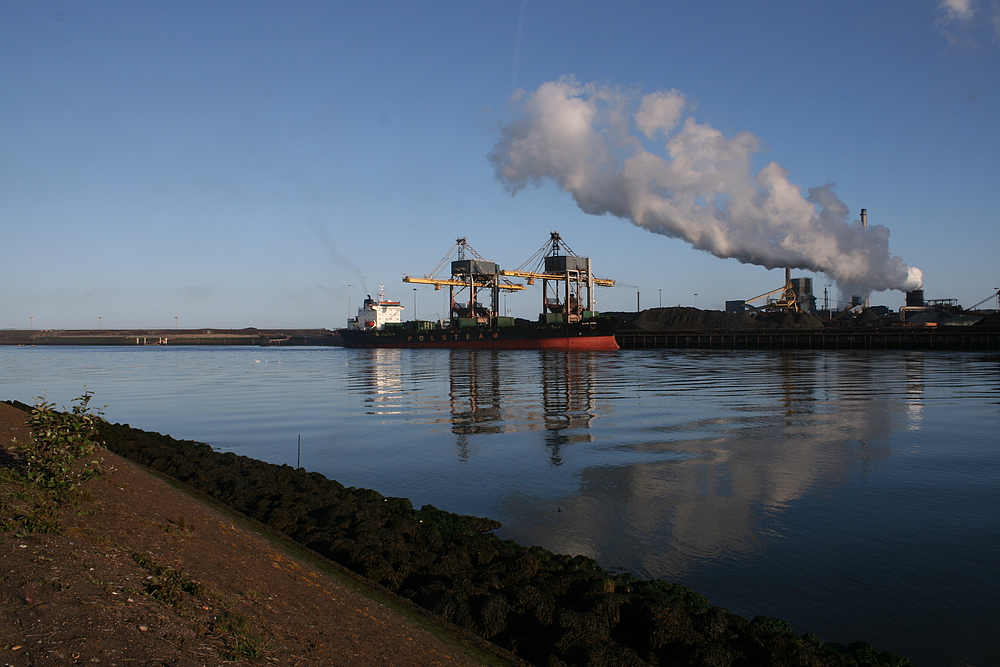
point(568, 320)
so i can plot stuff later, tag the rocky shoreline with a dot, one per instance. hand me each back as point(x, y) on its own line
point(549, 609)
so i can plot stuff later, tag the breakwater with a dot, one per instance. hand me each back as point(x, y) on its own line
point(141, 337)
point(549, 609)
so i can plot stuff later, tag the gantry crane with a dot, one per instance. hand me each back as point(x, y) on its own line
point(567, 281)
point(471, 274)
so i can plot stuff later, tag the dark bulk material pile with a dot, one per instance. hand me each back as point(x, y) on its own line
point(692, 319)
point(549, 609)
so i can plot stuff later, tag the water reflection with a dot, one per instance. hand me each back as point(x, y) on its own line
point(684, 487)
point(713, 451)
point(914, 368)
point(475, 382)
point(487, 394)
point(383, 373)
point(568, 403)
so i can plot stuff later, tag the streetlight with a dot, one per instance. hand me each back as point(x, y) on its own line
point(695, 299)
point(661, 297)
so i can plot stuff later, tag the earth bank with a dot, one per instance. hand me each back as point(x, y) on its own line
point(551, 610)
point(133, 570)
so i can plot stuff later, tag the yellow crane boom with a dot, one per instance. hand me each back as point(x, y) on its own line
point(439, 282)
point(534, 275)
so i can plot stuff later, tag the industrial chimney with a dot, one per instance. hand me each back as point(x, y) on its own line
point(864, 225)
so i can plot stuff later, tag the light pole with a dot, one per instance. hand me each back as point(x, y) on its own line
point(661, 297)
point(695, 299)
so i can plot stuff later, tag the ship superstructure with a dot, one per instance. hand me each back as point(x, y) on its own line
point(375, 314)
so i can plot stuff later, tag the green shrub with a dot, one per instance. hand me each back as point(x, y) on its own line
point(60, 454)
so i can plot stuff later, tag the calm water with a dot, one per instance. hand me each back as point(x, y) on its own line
point(855, 495)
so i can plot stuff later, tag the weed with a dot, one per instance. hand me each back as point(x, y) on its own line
point(25, 510)
point(244, 641)
point(166, 584)
point(60, 454)
point(106, 586)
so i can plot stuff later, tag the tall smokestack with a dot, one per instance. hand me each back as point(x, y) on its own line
point(864, 225)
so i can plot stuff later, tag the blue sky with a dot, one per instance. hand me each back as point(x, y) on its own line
point(236, 164)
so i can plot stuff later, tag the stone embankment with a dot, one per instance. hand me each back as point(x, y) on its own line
point(551, 610)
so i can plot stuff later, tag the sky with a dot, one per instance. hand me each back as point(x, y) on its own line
point(268, 164)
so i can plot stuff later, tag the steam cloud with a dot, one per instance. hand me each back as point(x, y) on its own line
point(591, 140)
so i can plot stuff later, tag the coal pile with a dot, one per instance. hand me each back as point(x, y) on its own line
point(551, 610)
point(680, 318)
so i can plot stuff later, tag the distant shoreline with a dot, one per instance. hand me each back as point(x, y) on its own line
point(664, 328)
point(207, 336)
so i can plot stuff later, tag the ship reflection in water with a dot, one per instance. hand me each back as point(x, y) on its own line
point(811, 486)
point(563, 414)
point(688, 486)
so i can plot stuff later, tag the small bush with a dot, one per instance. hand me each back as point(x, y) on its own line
point(60, 454)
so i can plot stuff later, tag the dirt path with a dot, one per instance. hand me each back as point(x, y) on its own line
point(146, 574)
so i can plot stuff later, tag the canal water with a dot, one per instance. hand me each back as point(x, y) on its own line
point(854, 494)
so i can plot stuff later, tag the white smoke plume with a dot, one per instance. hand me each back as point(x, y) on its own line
point(957, 10)
point(693, 183)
